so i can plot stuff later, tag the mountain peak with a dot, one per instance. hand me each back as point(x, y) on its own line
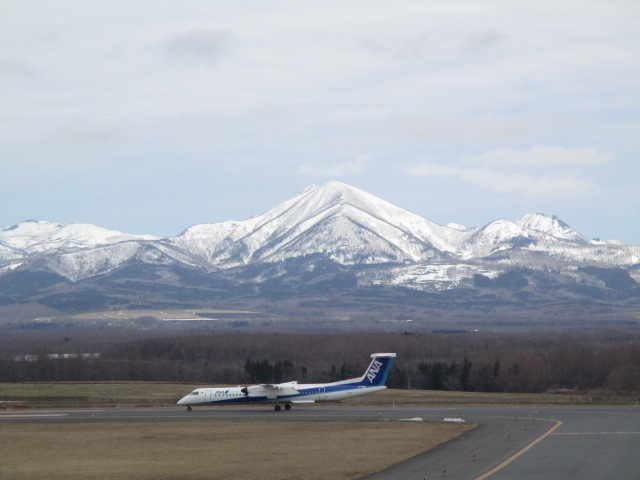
point(333, 192)
point(334, 223)
point(39, 236)
point(345, 223)
point(25, 233)
point(550, 225)
point(334, 185)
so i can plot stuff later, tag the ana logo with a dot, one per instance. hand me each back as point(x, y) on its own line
point(373, 371)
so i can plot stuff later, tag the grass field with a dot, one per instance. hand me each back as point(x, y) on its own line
point(214, 449)
point(141, 394)
point(88, 394)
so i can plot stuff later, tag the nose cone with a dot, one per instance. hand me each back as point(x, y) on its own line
point(184, 401)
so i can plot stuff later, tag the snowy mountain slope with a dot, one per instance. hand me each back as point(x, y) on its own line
point(496, 236)
point(336, 222)
point(91, 262)
point(78, 250)
point(430, 278)
point(8, 254)
point(347, 224)
point(40, 236)
point(351, 226)
point(102, 259)
point(592, 254)
point(552, 226)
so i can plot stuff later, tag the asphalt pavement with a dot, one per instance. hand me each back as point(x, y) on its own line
point(526, 443)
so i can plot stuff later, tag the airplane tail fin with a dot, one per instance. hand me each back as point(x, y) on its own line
point(376, 374)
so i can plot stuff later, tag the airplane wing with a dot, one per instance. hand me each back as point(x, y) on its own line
point(280, 389)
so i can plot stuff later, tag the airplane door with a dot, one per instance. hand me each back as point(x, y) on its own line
point(321, 393)
point(207, 396)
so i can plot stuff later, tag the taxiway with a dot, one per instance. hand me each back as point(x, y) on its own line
point(554, 443)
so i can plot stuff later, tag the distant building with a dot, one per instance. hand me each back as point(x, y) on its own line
point(55, 356)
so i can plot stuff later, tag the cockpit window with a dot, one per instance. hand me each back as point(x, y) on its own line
point(195, 392)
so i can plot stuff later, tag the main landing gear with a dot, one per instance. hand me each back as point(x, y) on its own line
point(287, 406)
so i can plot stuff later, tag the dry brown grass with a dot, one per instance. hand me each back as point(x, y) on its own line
point(213, 450)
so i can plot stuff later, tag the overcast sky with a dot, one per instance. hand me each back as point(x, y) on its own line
point(152, 116)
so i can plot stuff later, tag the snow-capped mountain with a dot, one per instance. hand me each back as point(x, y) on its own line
point(552, 226)
point(380, 243)
point(350, 226)
point(40, 236)
point(75, 251)
point(345, 224)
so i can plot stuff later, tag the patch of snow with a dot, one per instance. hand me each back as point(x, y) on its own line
point(457, 226)
point(8, 268)
point(454, 420)
point(432, 277)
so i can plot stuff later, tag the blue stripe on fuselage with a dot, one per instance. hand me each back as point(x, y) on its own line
point(303, 392)
point(240, 400)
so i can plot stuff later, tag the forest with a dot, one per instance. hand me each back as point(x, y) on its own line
point(467, 361)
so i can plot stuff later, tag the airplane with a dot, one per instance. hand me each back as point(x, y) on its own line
point(293, 393)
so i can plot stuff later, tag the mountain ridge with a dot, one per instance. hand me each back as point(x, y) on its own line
point(326, 236)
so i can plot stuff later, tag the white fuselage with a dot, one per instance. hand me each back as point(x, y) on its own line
point(289, 393)
point(302, 393)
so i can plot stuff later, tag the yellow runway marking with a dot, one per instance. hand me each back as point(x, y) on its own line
point(598, 433)
point(516, 455)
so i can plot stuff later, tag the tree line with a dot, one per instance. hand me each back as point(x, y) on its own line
point(486, 362)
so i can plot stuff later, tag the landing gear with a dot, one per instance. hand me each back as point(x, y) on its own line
point(188, 408)
point(287, 406)
point(277, 408)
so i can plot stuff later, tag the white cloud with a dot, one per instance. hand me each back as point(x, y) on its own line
point(434, 44)
point(198, 45)
point(11, 68)
point(483, 42)
point(542, 171)
point(542, 156)
point(559, 185)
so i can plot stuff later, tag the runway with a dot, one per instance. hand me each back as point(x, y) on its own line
point(510, 442)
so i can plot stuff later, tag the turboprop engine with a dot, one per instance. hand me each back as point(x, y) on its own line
point(254, 390)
